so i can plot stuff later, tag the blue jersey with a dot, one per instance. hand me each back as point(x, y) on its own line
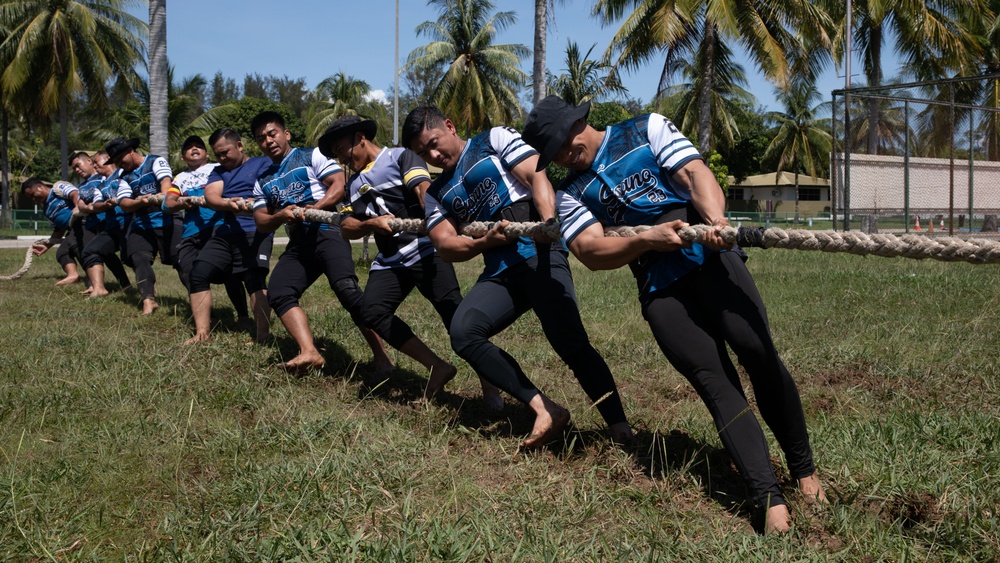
point(145, 180)
point(629, 183)
point(59, 205)
point(480, 187)
point(116, 218)
point(388, 186)
point(296, 180)
point(239, 183)
point(191, 183)
point(90, 190)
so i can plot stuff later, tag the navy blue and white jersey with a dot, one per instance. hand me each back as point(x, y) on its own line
point(191, 183)
point(239, 183)
point(480, 186)
point(90, 190)
point(145, 180)
point(116, 218)
point(388, 186)
point(296, 180)
point(629, 183)
point(59, 205)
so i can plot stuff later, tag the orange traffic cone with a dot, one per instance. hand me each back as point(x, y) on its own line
point(917, 227)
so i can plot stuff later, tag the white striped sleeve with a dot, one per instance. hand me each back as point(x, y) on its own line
point(574, 217)
point(322, 166)
point(161, 169)
point(509, 145)
point(124, 190)
point(433, 212)
point(672, 149)
point(259, 199)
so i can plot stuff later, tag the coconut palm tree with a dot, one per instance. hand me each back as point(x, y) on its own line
point(338, 95)
point(585, 79)
point(802, 141)
point(931, 38)
point(727, 99)
point(682, 28)
point(159, 78)
point(58, 49)
point(480, 84)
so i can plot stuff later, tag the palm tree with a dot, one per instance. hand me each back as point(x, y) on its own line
point(185, 117)
point(585, 78)
point(159, 79)
point(930, 37)
point(682, 28)
point(57, 49)
point(339, 95)
point(727, 98)
point(801, 141)
point(479, 87)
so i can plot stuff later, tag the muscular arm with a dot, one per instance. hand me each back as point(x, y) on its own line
point(334, 192)
point(541, 189)
point(707, 197)
point(598, 252)
point(268, 222)
point(452, 247)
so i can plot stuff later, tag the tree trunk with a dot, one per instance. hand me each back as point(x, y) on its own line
point(63, 140)
point(875, 53)
point(705, 90)
point(4, 166)
point(538, 68)
point(158, 78)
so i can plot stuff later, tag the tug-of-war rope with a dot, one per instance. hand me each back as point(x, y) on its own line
point(948, 249)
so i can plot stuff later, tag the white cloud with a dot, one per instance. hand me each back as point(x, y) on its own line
point(376, 95)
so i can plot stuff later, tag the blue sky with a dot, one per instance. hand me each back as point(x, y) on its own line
point(316, 38)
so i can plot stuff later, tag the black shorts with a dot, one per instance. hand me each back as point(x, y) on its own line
point(239, 252)
point(162, 240)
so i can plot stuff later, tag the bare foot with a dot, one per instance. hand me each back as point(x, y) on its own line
point(197, 339)
point(777, 520)
point(548, 424)
point(68, 280)
point(440, 376)
point(621, 434)
point(97, 294)
point(87, 291)
point(811, 489)
point(491, 396)
point(149, 305)
point(385, 367)
point(304, 362)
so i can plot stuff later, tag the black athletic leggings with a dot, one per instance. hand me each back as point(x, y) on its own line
point(692, 321)
point(386, 290)
point(543, 284)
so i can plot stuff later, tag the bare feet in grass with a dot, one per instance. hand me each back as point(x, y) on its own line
point(491, 396)
point(439, 377)
point(87, 291)
point(97, 294)
point(777, 520)
point(549, 423)
point(197, 339)
point(149, 305)
point(68, 280)
point(303, 363)
point(812, 490)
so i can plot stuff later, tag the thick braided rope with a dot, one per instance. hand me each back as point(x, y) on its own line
point(28, 257)
point(246, 205)
point(949, 249)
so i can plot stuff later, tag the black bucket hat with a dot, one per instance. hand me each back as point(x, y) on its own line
point(548, 125)
point(343, 126)
point(193, 141)
point(119, 146)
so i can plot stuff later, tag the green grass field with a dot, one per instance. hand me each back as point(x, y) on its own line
point(118, 443)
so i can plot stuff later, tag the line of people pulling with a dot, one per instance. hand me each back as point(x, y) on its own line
point(696, 297)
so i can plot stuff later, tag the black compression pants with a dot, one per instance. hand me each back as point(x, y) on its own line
point(692, 321)
point(312, 253)
point(543, 284)
point(186, 255)
point(386, 290)
point(143, 246)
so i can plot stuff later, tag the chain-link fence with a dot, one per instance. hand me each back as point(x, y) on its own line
point(918, 157)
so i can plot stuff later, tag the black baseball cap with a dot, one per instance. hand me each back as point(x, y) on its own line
point(548, 125)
